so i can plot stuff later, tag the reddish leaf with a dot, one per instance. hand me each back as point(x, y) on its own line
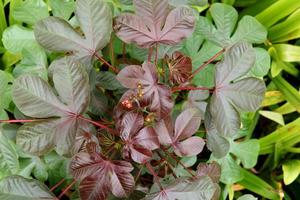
point(144, 80)
point(152, 24)
point(180, 67)
point(180, 137)
point(212, 170)
point(100, 176)
point(138, 142)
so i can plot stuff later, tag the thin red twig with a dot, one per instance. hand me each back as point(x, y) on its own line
point(66, 189)
point(95, 123)
point(57, 184)
point(175, 89)
point(156, 54)
point(156, 178)
point(101, 59)
point(168, 164)
point(207, 63)
point(150, 54)
point(20, 120)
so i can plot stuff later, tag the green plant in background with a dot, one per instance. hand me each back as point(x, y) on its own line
point(257, 151)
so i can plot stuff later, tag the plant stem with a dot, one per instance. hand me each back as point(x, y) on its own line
point(156, 54)
point(156, 178)
point(207, 63)
point(179, 162)
point(66, 189)
point(101, 59)
point(150, 54)
point(175, 89)
point(20, 120)
point(139, 173)
point(124, 52)
point(168, 164)
point(57, 185)
point(95, 123)
point(112, 53)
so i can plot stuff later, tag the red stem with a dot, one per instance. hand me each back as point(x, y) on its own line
point(179, 162)
point(175, 89)
point(124, 52)
point(105, 62)
point(20, 120)
point(139, 173)
point(57, 184)
point(66, 189)
point(156, 178)
point(207, 63)
point(150, 54)
point(95, 123)
point(156, 53)
point(168, 164)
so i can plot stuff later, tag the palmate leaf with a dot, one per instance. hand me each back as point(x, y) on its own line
point(145, 27)
point(183, 188)
point(157, 94)
point(99, 176)
point(35, 98)
point(232, 96)
point(225, 18)
point(95, 20)
point(19, 188)
point(139, 141)
point(181, 135)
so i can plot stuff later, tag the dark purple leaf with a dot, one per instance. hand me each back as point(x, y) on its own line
point(180, 67)
point(139, 142)
point(144, 80)
point(152, 24)
point(99, 176)
point(186, 125)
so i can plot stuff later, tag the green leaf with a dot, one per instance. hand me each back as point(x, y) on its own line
point(107, 81)
point(290, 93)
point(230, 171)
point(62, 8)
point(16, 37)
point(275, 116)
point(247, 197)
point(8, 156)
point(3, 23)
point(188, 2)
point(287, 52)
point(30, 11)
point(291, 170)
point(19, 188)
point(262, 63)
point(34, 62)
point(246, 151)
point(249, 30)
point(225, 18)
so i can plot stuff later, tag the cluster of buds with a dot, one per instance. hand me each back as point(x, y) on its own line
point(127, 104)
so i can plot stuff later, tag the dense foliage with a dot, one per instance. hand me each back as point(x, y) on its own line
point(149, 99)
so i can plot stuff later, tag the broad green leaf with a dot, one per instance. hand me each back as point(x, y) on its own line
point(35, 98)
point(246, 151)
point(225, 18)
point(30, 11)
point(291, 170)
point(188, 2)
point(72, 84)
point(3, 23)
point(62, 8)
point(107, 81)
point(274, 116)
point(16, 38)
point(19, 188)
point(250, 30)
point(9, 59)
point(37, 138)
point(8, 155)
point(247, 197)
point(34, 62)
point(262, 63)
point(230, 170)
point(4, 94)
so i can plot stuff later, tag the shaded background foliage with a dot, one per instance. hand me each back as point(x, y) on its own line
point(261, 156)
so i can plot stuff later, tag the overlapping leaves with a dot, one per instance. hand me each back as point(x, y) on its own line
point(180, 136)
point(95, 19)
point(59, 122)
point(157, 94)
point(232, 95)
point(99, 176)
point(153, 24)
point(139, 141)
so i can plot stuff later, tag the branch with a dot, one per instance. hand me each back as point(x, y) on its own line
point(101, 59)
point(67, 189)
point(57, 184)
point(156, 178)
point(175, 89)
point(207, 63)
